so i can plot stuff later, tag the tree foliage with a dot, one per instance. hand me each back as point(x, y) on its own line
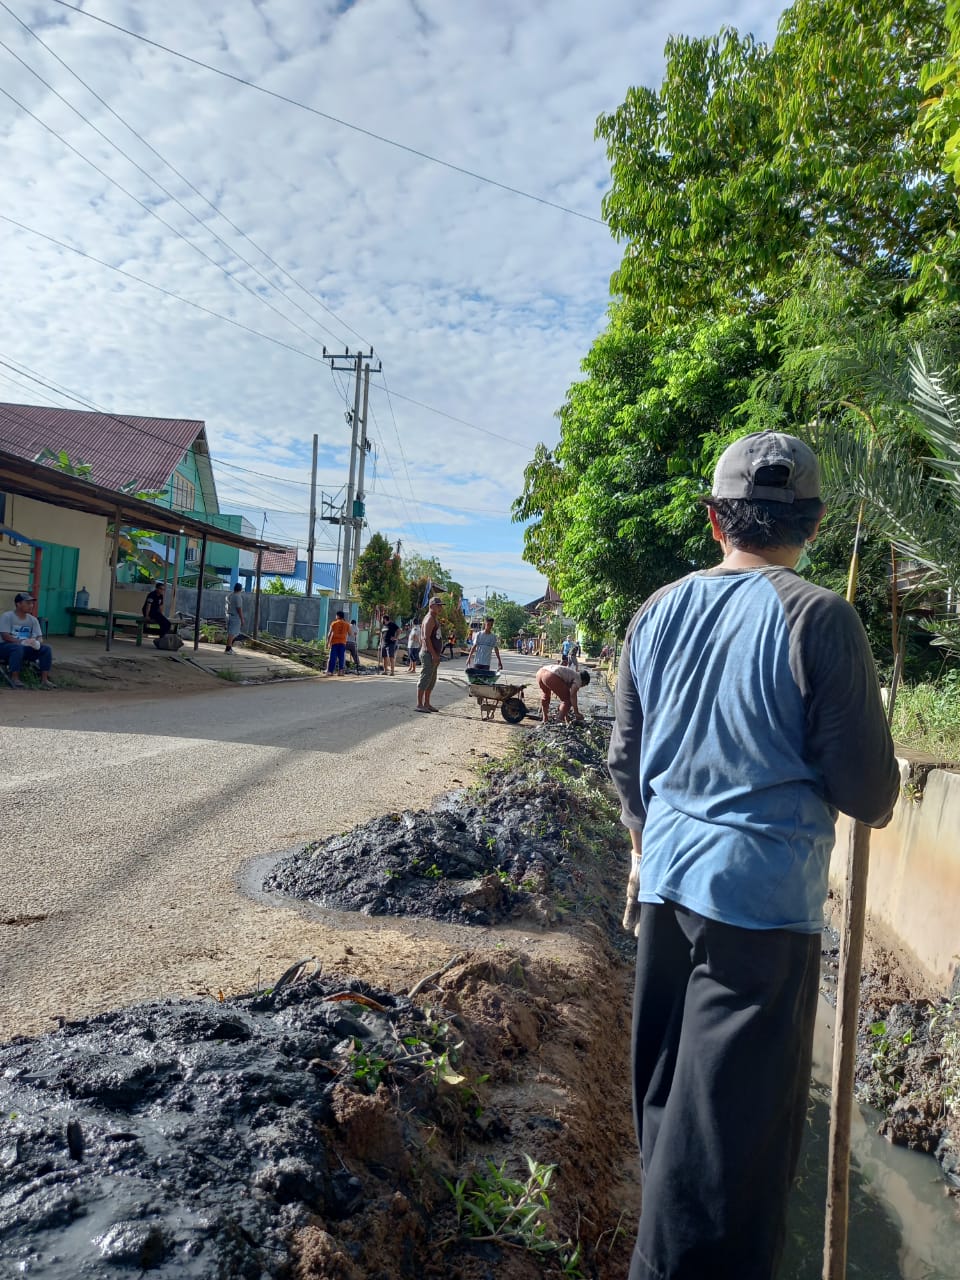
point(749, 152)
point(509, 618)
point(378, 580)
point(788, 220)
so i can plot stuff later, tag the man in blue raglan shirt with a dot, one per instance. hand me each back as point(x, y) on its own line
point(748, 712)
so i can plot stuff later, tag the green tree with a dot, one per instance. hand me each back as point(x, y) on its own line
point(613, 511)
point(378, 579)
point(749, 152)
point(277, 587)
point(509, 618)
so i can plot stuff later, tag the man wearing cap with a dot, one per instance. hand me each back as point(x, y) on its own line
point(430, 655)
point(21, 640)
point(747, 713)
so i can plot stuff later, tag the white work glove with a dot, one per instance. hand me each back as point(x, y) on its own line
point(631, 915)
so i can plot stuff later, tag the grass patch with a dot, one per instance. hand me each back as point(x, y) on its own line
point(231, 674)
point(927, 717)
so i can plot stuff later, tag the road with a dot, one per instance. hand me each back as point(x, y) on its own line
point(128, 822)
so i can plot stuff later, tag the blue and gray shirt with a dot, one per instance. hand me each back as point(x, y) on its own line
point(748, 712)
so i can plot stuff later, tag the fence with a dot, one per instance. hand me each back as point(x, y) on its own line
point(290, 617)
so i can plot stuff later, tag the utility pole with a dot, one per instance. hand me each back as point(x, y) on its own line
point(349, 361)
point(312, 538)
point(353, 508)
point(360, 504)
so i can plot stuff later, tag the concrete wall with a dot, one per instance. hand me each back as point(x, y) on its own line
point(282, 616)
point(88, 533)
point(914, 885)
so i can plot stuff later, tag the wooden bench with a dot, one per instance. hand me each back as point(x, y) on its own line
point(95, 620)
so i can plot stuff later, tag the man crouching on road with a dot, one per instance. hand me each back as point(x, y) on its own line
point(747, 713)
point(21, 640)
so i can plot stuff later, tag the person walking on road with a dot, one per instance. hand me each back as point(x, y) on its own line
point(388, 645)
point(560, 680)
point(431, 653)
point(337, 638)
point(748, 712)
point(234, 615)
point(352, 650)
point(414, 644)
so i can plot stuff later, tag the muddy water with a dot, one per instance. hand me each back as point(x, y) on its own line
point(903, 1226)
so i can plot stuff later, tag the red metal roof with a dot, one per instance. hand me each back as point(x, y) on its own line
point(120, 448)
point(280, 561)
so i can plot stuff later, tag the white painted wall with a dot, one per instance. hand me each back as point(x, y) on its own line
point(914, 884)
point(47, 523)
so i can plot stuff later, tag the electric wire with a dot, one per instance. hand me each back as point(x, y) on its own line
point(169, 293)
point(186, 181)
point(154, 214)
point(257, 333)
point(411, 522)
point(346, 124)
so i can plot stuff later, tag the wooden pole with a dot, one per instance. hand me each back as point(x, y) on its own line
point(114, 560)
point(256, 598)
point(852, 927)
point(196, 620)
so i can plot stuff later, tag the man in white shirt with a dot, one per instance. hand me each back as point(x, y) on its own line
point(21, 640)
point(484, 647)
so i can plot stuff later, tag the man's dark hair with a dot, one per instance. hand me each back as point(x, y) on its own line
point(488, 618)
point(747, 524)
point(584, 677)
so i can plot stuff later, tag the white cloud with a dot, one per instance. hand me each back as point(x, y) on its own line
point(479, 302)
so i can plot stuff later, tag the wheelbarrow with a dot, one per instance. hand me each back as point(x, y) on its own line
point(491, 694)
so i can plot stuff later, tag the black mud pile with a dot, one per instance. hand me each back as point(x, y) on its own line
point(908, 1066)
point(191, 1139)
point(525, 845)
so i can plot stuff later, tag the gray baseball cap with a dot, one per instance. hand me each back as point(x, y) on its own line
point(740, 461)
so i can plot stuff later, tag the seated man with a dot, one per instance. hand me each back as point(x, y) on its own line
point(153, 610)
point(21, 640)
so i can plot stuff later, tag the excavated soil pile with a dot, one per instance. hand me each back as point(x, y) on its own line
point(331, 1130)
point(317, 1132)
point(515, 848)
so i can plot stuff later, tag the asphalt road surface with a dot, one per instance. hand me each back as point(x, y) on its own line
point(128, 822)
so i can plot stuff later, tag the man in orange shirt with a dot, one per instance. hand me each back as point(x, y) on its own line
point(337, 638)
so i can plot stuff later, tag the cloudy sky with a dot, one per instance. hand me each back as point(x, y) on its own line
point(479, 303)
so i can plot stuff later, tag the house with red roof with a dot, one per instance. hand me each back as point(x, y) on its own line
point(165, 458)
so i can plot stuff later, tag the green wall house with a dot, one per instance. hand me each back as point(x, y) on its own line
point(166, 458)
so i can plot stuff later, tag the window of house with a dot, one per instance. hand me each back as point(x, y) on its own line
point(184, 492)
point(191, 553)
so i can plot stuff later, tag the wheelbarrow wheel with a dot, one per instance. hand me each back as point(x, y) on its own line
point(513, 710)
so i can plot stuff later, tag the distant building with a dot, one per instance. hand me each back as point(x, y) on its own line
point(292, 571)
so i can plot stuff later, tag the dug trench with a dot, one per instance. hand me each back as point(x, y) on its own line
point(474, 1125)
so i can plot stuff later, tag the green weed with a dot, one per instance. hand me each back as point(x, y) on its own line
point(366, 1069)
point(495, 1207)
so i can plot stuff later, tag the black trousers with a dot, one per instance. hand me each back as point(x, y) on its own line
point(723, 1024)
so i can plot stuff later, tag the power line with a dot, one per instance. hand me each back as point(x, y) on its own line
point(152, 212)
point(217, 315)
point(368, 133)
point(237, 324)
point(450, 417)
point(184, 179)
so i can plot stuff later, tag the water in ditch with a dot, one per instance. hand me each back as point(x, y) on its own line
point(903, 1226)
